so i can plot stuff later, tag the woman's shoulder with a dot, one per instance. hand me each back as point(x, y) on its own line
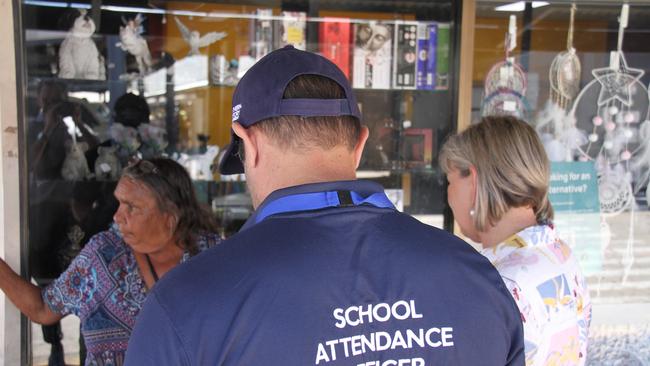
point(107, 244)
point(206, 240)
point(535, 258)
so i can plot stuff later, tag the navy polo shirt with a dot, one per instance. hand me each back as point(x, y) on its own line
point(331, 274)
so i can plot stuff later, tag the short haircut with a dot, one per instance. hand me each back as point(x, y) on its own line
point(304, 133)
point(511, 164)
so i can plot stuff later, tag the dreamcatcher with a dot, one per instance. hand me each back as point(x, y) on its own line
point(558, 132)
point(618, 134)
point(557, 129)
point(564, 74)
point(505, 83)
point(622, 105)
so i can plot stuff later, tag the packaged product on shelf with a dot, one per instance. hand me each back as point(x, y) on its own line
point(405, 56)
point(372, 55)
point(218, 69)
point(262, 33)
point(334, 42)
point(442, 55)
point(292, 30)
point(426, 62)
point(431, 56)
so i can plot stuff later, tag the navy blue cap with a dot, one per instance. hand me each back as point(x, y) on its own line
point(258, 95)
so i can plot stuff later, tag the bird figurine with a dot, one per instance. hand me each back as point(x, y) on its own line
point(194, 38)
point(131, 40)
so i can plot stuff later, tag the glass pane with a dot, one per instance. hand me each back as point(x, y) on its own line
point(137, 84)
point(584, 87)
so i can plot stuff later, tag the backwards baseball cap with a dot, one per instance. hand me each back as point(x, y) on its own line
point(258, 95)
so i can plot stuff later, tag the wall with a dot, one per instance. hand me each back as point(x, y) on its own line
point(9, 185)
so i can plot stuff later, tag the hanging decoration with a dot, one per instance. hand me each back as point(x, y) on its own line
point(564, 74)
point(617, 135)
point(506, 82)
point(614, 129)
point(557, 129)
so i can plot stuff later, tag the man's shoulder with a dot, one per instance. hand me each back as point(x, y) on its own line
point(288, 276)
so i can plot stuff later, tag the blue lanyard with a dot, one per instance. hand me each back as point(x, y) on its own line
point(319, 200)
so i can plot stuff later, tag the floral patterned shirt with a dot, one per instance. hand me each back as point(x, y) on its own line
point(545, 280)
point(104, 288)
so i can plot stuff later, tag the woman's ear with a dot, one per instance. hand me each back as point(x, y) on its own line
point(172, 222)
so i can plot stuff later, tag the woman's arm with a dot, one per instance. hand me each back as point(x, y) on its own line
point(26, 296)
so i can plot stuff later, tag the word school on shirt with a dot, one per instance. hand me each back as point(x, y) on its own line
point(360, 344)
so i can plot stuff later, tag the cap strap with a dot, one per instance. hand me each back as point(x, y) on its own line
point(307, 107)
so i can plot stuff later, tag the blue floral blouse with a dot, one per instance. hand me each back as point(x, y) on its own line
point(104, 288)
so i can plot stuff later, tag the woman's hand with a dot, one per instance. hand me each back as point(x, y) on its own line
point(26, 296)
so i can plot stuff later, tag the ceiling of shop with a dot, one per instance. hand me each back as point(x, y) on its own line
point(586, 10)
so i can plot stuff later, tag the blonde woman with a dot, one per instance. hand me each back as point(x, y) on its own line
point(498, 177)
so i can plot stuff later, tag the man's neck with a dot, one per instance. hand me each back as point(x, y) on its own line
point(293, 169)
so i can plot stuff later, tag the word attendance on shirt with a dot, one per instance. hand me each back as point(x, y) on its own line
point(384, 340)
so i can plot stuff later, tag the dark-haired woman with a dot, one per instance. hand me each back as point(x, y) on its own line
point(159, 224)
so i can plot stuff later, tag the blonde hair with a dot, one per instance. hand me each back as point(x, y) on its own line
point(511, 164)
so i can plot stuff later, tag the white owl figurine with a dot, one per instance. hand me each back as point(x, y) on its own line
point(131, 40)
point(195, 40)
point(78, 54)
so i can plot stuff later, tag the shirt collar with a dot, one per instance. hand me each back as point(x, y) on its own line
point(362, 187)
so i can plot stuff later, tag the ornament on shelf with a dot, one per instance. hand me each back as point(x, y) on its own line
point(75, 165)
point(107, 165)
point(194, 38)
point(506, 82)
point(154, 140)
point(127, 140)
point(78, 54)
point(131, 40)
point(564, 74)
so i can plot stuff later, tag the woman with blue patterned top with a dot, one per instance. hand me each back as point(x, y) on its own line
point(159, 224)
point(498, 175)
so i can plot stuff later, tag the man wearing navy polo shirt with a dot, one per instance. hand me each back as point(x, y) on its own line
point(326, 271)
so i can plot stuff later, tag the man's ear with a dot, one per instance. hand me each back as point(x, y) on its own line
point(249, 139)
point(361, 143)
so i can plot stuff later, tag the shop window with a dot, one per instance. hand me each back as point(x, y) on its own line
point(580, 76)
point(157, 79)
